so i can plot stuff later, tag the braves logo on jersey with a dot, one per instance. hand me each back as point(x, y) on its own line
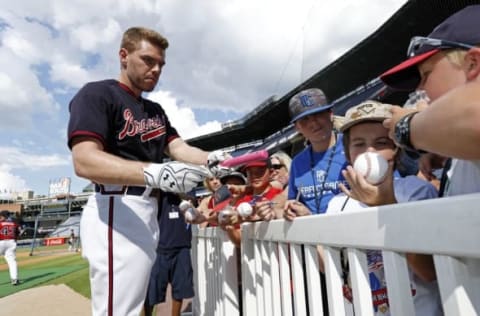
point(148, 128)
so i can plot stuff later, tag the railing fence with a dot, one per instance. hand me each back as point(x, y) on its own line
point(280, 265)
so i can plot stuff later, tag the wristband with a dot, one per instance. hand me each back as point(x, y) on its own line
point(402, 132)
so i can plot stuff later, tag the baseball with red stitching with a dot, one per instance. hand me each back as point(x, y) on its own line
point(372, 166)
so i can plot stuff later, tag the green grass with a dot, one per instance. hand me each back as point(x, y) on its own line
point(77, 280)
point(68, 268)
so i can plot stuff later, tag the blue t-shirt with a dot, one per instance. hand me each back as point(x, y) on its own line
point(174, 232)
point(317, 176)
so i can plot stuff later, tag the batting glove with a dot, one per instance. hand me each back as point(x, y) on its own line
point(174, 176)
point(214, 159)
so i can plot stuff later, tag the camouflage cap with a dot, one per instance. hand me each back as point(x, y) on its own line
point(366, 111)
point(307, 102)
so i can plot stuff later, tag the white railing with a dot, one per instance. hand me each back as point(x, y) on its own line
point(214, 260)
point(277, 280)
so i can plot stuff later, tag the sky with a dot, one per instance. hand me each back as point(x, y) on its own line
point(225, 58)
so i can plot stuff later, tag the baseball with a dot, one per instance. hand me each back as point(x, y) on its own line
point(244, 209)
point(372, 166)
point(224, 214)
point(190, 215)
point(188, 211)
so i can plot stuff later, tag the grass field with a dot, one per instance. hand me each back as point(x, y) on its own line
point(47, 265)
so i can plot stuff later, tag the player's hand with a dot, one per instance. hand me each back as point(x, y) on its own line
point(174, 176)
point(213, 162)
point(397, 114)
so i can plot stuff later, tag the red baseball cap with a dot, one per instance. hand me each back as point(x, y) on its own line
point(406, 76)
point(257, 163)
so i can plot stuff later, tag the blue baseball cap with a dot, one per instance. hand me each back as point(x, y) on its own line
point(307, 102)
point(460, 30)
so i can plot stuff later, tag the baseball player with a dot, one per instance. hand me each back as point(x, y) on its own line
point(118, 141)
point(71, 241)
point(9, 231)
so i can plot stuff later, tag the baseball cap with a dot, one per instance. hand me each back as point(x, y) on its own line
point(307, 102)
point(257, 163)
point(460, 30)
point(366, 111)
point(233, 174)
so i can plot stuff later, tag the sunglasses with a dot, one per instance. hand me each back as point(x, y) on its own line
point(277, 166)
point(419, 45)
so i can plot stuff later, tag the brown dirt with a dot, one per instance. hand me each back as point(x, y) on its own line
point(53, 300)
point(60, 300)
point(37, 257)
point(50, 300)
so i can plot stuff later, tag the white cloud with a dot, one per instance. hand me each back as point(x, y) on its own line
point(73, 75)
point(224, 57)
point(22, 94)
point(16, 158)
point(13, 159)
point(89, 36)
point(11, 183)
point(183, 118)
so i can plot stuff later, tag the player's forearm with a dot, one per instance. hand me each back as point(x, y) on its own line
point(450, 125)
point(179, 150)
point(104, 168)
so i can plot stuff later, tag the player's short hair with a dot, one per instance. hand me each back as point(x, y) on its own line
point(134, 35)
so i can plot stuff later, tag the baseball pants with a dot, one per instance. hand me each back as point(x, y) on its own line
point(8, 248)
point(119, 235)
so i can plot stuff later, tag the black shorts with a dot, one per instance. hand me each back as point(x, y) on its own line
point(174, 267)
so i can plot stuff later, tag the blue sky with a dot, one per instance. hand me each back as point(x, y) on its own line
point(225, 58)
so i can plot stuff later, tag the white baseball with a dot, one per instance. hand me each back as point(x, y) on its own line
point(372, 166)
point(184, 205)
point(188, 211)
point(244, 209)
point(190, 215)
point(223, 214)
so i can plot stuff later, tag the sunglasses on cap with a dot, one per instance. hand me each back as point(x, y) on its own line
point(419, 45)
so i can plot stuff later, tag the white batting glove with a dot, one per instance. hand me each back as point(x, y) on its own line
point(174, 176)
point(214, 159)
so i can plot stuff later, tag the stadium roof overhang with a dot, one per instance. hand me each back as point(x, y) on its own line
point(356, 70)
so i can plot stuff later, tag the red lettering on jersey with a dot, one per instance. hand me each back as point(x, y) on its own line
point(148, 128)
point(153, 134)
